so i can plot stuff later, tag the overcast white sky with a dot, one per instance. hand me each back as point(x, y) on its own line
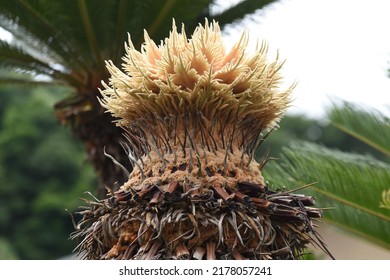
point(333, 48)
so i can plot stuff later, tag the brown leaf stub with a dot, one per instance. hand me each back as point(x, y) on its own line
point(152, 226)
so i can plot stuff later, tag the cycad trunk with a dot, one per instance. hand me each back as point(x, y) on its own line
point(98, 133)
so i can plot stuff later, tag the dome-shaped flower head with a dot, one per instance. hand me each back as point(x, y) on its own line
point(196, 93)
point(196, 74)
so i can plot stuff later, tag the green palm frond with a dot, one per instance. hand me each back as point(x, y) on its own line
point(371, 127)
point(33, 26)
point(240, 10)
point(350, 183)
point(16, 58)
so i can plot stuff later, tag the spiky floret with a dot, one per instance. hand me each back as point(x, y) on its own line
point(194, 114)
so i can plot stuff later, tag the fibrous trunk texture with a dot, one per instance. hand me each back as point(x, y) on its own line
point(95, 129)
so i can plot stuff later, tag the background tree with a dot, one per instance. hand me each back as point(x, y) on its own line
point(66, 42)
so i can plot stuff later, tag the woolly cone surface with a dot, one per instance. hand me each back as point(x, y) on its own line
point(194, 115)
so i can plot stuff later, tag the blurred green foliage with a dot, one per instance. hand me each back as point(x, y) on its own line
point(42, 173)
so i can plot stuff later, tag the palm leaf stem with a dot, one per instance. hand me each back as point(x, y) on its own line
point(161, 16)
point(363, 139)
point(369, 126)
point(120, 30)
point(89, 32)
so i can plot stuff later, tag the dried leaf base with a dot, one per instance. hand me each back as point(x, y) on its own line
point(179, 221)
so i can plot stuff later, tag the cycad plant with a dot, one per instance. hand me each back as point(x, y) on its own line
point(66, 42)
point(194, 115)
point(357, 186)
